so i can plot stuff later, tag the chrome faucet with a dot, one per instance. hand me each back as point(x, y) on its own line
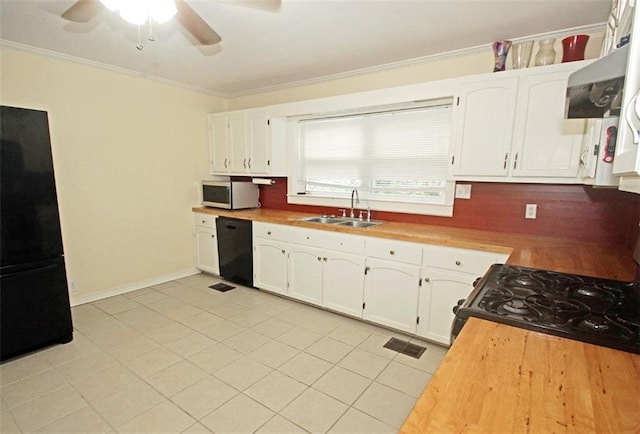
point(352, 215)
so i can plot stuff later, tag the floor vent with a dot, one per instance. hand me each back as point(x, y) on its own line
point(404, 347)
point(222, 287)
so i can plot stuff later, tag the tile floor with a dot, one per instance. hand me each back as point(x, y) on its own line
point(180, 357)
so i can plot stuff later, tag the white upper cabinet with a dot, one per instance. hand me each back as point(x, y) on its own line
point(484, 127)
point(219, 158)
point(510, 127)
point(247, 143)
point(546, 144)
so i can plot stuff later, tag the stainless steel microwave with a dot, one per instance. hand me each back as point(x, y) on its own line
point(230, 194)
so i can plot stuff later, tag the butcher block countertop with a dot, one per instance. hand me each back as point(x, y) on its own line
point(549, 253)
point(501, 379)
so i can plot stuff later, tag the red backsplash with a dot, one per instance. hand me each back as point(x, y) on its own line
point(572, 211)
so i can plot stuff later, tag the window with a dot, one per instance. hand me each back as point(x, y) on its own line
point(392, 156)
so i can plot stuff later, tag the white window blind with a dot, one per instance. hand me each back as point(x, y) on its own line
point(394, 155)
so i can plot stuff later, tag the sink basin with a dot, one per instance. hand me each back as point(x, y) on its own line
point(325, 220)
point(341, 221)
point(359, 224)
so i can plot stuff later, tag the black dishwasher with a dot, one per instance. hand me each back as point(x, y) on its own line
point(235, 250)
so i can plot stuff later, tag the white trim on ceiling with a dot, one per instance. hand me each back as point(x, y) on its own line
point(595, 28)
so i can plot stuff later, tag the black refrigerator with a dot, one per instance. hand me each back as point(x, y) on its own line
point(34, 299)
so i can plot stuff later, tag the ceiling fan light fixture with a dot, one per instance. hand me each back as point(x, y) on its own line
point(162, 10)
point(138, 11)
point(135, 12)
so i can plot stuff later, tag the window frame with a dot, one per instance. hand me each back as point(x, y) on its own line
point(388, 204)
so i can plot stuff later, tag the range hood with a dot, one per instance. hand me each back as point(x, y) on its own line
point(595, 91)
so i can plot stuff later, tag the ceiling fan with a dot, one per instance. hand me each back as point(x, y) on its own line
point(139, 11)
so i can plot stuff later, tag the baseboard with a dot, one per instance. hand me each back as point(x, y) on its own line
point(75, 301)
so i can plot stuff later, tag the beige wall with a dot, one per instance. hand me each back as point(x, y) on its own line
point(128, 155)
point(466, 62)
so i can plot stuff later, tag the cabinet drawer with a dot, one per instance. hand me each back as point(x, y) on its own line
point(400, 251)
point(464, 260)
point(270, 231)
point(306, 237)
point(206, 220)
point(344, 243)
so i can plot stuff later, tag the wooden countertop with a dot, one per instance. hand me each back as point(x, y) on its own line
point(502, 379)
point(550, 253)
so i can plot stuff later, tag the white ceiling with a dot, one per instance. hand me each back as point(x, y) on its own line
point(305, 40)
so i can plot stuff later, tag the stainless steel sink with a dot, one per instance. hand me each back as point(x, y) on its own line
point(325, 220)
point(359, 224)
point(341, 221)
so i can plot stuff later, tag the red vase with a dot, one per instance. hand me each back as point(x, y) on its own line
point(573, 48)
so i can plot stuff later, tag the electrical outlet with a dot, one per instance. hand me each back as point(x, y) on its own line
point(73, 285)
point(531, 211)
point(463, 191)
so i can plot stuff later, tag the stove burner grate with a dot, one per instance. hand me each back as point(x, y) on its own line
point(599, 311)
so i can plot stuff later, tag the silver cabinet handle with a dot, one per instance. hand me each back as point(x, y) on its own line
point(515, 161)
point(225, 163)
point(392, 252)
point(244, 163)
point(283, 252)
point(506, 156)
point(269, 233)
point(319, 258)
point(324, 259)
point(458, 263)
point(249, 163)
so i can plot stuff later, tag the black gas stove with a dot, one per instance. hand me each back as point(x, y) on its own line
point(598, 311)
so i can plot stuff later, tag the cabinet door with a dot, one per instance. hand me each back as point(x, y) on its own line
point(545, 144)
point(270, 265)
point(391, 294)
point(206, 245)
point(438, 295)
point(305, 273)
point(484, 127)
point(627, 159)
point(257, 143)
point(218, 144)
point(237, 143)
point(343, 282)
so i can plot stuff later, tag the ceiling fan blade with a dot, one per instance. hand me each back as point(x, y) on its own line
point(263, 5)
point(82, 11)
point(196, 25)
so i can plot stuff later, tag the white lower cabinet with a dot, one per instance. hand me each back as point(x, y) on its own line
point(206, 243)
point(406, 286)
point(441, 291)
point(270, 257)
point(305, 273)
point(448, 274)
point(343, 282)
point(391, 294)
point(270, 265)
